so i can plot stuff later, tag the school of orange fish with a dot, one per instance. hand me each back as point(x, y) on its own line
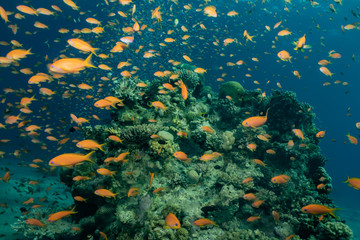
point(86, 44)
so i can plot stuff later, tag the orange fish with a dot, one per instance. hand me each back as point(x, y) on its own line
point(353, 182)
point(115, 138)
point(34, 222)
point(276, 216)
point(105, 172)
point(70, 159)
point(3, 14)
point(258, 161)
point(256, 121)
point(210, 11)
point(251, 146)
point(281, 179)
point(317, 209)
point(158, 190)
point(182, 134)
point(159, 105)
point(204, 222)
point(326, 71)
point(90, 145)
point(59, 215)
point(172, 221)
point(298, 133)
point(71, 65)
point(121, 157)
point(6, 177)
point(184, 91)
point(247, 180)
point(81, 45)
point(71, 4)
point(320, 134)
point(352, 140)
point(257, 203)
point(133, 192)
point(207, 129)
point(249, 196)
point(18, 54)
point(207, 157)
point(151, 178)
point(300, 43)
point(253, 218)
point(27, 10)
point(80, 199)
point(284, 56)
point(105, 193)
point(181, 156)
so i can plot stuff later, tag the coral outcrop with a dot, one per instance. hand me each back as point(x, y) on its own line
point(242, 161)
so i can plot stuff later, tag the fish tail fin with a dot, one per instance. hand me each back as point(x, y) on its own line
point(94, 51)
point(100, 147)
point(29, 51)
point(115, 195)
point(88, 62)
point(72, 211)
point(333, 214)
point(88, 156)
point(347, 180)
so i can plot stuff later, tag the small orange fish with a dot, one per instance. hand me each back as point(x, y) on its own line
point(326, 71)
point(257, 203)
point(80, 199)
point(89, 144)
point(30, 200)
point(172, 221)
point(298, 133)
point(133, 192)
point(256, 121)
point(105, 172)
point(59, 215)
point(158, 190)
point(253, 218)
point(159, 105)
point(184, 91)
point(121, 157)
point(247, 180)
point(204, 222)
point(353, 182)
point(34, 222)
point(71, 65)
point(151, 179)
point(284, 56)
point(182, 134)
point(320, 134)
point(181, 156)
point(249, 196)
point(251, 146)
point(6, 177)
point(281, 179)
point(105, 193)
point(352, 140)
point(317, 209)
point(276, 216)
point(207, 129)
point(70, 159)
point(115, 138)
point(259, 162)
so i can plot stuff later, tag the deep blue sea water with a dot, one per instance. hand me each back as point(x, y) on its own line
point(336, 105)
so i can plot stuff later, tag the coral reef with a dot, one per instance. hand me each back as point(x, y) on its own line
point(191, 187)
